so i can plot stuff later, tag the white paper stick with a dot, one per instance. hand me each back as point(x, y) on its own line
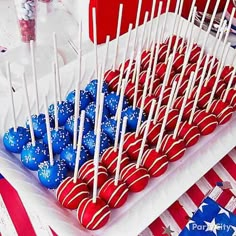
point(57, 67)
point(143, 101)
point(55, 97)
point(11, 96)
point(117, 36)
point(199, 89)
point(140, 155)
point(95, 41)
point(117, 173)
point(204, 15)
point(28, 111)
point(169, 65)
point(97, 150)
point(79, 144)
point(76, 113)
point(144, 29)
point(165, 19)
point(151, 24)
point(105, 54)
point(190, 16)
point(137, 22)
point(192, 23)
point(181, 112)
point(51, 159)
point(138, 63)
point(32, 54)
point(129, 67)
point(165, 117)
point(124, 59)
point(156, 35)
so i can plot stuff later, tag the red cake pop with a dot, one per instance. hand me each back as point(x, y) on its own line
point(230, 97)
point(166, 95)
point(221, 86)
point(171, 118)
point(204, 97)
point(135, 178)
point(93, 215)
point(226, 74)
point(190, 68)
point(145, 59)
point(109, 160)
point(160, 70)
point(189, 133)
point(154, 162)
point(86, 173)
point(206, 122)
point(174, 148)
point(195, 53)
point(222, 111)
point(147, 103)
point(115, 196)
point(153, 133)
point(173, 41)
point(126, 66)
point(162, 52)
point(130, 90)
point(178, 62)
point(112, 79)
point(132, 145)
point(188, 107)
point(70, 194)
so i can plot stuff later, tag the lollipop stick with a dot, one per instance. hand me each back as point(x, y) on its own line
point(165, 19)
point(117, 174)
point(48, 132)
point(145, 134)
point(95, 40)
point(144, 28)
point(98, 98)
point(79, 144)
point(76, 114)
point(11, 96)
point(151, 24)
point(229, 84)
point(138, 62)
point(137, 22)
point(119, 110)
point(34, 75)
point(105, 54)
point(55, 97)
point(117, 36)
point(165, 117)
point(57, 66)
point(97, 150)
point(28, 110)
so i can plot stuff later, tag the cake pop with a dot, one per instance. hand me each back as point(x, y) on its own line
point(84, 99)
point(16, 137)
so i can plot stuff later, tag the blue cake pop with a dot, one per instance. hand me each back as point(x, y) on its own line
point(65, 110)
point(15, 140)
point(132, 115)
point(90, 112)
point(69, 126)
point(60, 139)
point(91, 88)
point(112, 101)
point(32, 156)
point(69, 156)
point(89, 141)
point(84, 98)
point(52, 176)
point(39, 125)
point(109, 128)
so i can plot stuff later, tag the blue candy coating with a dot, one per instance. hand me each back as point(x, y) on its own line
point(65, 110)
point(69, 126)
point(15, 140)
point(39, 125)
point(90, 112)
point(109, 128)
point(112, 101)
point(52, 176)
point(32, 156)
point(89, 141)
point(84, 98)
point(60, 139)
point(91, 88)
point(132, 116)
point(69, 156)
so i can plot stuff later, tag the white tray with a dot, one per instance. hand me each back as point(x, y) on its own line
point(141, 208)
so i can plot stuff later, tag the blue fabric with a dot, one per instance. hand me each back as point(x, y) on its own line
point(1, 177)
point(210, 220)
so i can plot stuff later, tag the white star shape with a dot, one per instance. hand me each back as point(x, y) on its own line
point(223, 211)
point(212, 226)
point(190, 222)
point(201, 207)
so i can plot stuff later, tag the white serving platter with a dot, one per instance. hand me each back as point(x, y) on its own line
point(141, 208)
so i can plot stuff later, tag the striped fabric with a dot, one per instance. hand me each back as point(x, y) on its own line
point(173, 220)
